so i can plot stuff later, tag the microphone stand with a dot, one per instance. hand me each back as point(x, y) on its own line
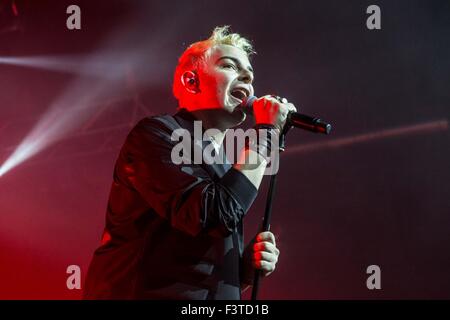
point(268, 210)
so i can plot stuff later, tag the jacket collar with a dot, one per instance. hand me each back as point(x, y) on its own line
point(186, 120)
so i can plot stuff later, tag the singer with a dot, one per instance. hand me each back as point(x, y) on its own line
point(175, 231)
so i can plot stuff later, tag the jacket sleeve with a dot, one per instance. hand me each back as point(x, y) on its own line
point(184, 194)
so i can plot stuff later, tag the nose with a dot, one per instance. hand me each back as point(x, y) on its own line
point(246, 76)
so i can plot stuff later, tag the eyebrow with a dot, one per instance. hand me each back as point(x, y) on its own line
point(235, 61)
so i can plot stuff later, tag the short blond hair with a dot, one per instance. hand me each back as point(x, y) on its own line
point(195, 54)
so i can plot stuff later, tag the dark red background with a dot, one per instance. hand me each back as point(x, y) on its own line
point(337, 210)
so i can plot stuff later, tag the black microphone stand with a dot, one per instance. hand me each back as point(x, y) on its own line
point(268, 210)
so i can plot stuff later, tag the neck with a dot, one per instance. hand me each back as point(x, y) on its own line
point(212, 119)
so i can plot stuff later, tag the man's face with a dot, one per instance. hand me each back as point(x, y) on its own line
point(226, 78)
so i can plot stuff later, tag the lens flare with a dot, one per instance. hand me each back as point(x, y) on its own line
point(431, 126)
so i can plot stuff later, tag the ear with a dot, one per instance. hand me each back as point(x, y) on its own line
point(190, 81)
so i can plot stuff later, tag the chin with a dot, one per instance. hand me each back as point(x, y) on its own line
point(239, 116)
point(233, 113)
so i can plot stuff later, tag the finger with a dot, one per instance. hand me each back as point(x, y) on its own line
point(264, 101)
point(273, 105)
point(268, 98)
point(266, 236)
point(264, 266)
point(265, 246)
point(286, 108)
point(271, 99)
point(265, 256)
point(291, 107)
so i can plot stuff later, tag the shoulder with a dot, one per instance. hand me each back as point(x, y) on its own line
point(150, 138)
point(154, 128)
point(163, 123)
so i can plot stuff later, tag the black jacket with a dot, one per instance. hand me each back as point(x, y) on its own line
point(172, 231)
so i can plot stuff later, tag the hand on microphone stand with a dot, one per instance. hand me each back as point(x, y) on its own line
point(260, 254)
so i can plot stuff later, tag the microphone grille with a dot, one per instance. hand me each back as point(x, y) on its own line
point(248, 102)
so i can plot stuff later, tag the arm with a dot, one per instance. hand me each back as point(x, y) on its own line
point(266, 111)
point(184, 194)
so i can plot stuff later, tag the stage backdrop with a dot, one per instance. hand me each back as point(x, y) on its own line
point(373, 193)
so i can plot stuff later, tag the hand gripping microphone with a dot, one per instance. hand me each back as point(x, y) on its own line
point(298, 120)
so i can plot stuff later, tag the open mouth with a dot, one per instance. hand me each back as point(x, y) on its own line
point(239, 93)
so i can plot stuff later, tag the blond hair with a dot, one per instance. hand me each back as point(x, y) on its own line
point(195, 54)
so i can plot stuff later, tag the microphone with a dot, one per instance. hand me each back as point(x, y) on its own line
point(296, 119)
